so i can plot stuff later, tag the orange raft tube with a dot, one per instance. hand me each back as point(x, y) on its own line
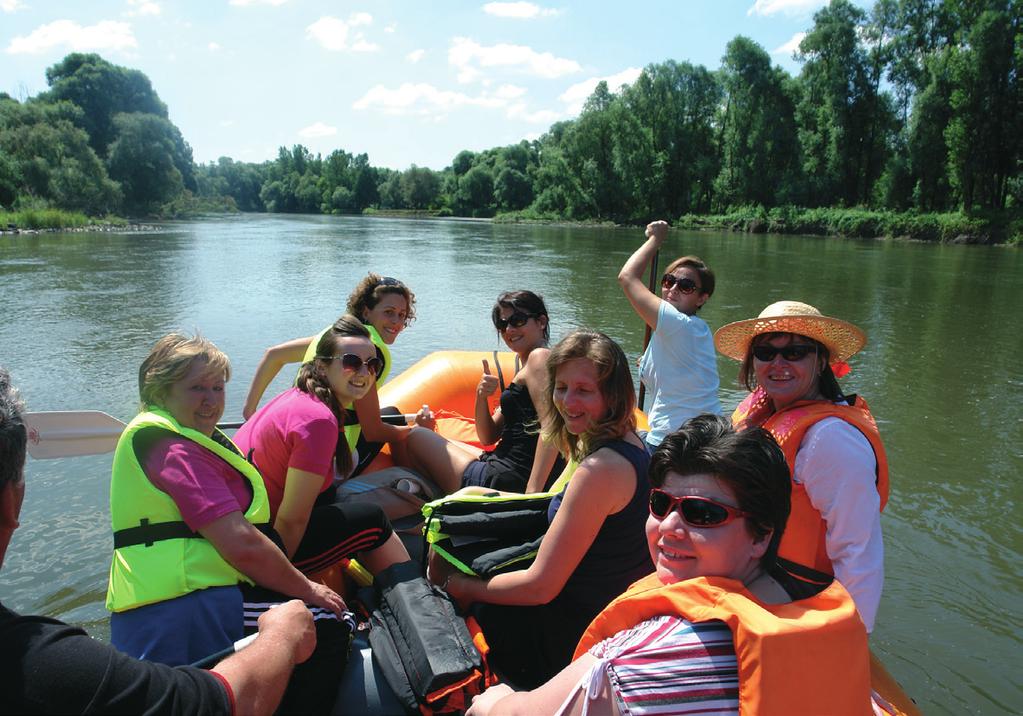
point(447, 380)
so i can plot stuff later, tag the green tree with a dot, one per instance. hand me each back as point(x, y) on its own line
point(142, 160)
point(420, 187)
point(475, 193)
point(512, 189)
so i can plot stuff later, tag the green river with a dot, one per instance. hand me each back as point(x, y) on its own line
point(941, 372)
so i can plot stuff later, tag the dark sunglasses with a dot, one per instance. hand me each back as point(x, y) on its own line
point(696, 511)
point(388, 281)
point(792, 353)
point(350, 361)
point(685, 285)
point(515, 320)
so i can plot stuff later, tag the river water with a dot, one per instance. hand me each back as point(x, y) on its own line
point(941, 372)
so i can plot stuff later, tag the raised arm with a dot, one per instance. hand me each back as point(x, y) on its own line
point(630, 278)
point(253, 554)
point(269, 366)
point(597, 490)
point(258, 675)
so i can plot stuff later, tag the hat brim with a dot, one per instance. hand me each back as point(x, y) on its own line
point(842, 339)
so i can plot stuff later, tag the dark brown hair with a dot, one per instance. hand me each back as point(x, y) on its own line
point(749, 462)
point(525, 301)
point(701, 269)
point(373, 288)
point(313, 380)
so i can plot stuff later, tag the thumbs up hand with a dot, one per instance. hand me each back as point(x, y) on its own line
point(488, 383)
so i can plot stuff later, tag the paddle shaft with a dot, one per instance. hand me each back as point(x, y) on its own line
point(91, 432)
point(652, 285)
point(216, 658)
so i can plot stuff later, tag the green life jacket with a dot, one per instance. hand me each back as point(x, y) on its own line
point(354, 430)
point(156, 556)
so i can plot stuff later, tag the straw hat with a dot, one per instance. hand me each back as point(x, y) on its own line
point(841, 338)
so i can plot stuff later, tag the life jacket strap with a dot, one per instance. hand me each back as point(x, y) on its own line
point(149, 533)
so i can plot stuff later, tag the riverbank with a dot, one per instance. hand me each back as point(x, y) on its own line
point(949, 228)
point(53, 220)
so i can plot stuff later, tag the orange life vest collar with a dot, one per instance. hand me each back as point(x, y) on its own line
point(808, 656)
point(803, 543)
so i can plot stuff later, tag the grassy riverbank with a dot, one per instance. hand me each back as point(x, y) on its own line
point(981, 228)
point(54, 220)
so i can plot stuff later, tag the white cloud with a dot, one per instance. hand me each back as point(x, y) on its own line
point(791, 46)
point(213, 47)
point(142, 8)
point(509, 91)
point(391, 28)
point(316, 130)
point(11, 5)
point(765, 8)
point(518, 10)
point(332, 33)
point(422, 99)
point(246, 3)
point(105, 35)
point(415, 56)
point(540, 116)
point(471, 58)
point(575, 96)
point(227, 123)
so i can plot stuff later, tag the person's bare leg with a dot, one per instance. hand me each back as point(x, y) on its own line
point(390, 552)
point(438, 458)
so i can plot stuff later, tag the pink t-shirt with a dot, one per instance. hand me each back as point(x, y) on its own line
point(204, 487)
point(294, 430)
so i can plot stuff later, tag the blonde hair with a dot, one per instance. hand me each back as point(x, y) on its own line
point(614, 380)
point(170, 360)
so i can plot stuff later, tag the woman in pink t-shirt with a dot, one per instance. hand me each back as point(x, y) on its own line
point(296, 442)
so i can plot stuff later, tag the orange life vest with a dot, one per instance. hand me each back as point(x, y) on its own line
point(805, 657)
point(803, 550)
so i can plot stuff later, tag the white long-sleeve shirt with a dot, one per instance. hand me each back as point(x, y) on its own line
point(836, 464)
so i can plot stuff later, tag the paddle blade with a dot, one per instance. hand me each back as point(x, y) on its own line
point(69, 433)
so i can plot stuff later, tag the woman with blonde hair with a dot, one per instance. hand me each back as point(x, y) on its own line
point(190, 516)
point(594, 546)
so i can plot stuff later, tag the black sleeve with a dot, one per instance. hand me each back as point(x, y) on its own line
point(49, 667)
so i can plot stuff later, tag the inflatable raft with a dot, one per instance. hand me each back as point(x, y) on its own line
point(446, 381)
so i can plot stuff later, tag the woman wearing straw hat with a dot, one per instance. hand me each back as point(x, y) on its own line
point(791, 356)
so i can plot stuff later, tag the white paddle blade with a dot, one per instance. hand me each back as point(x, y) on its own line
point(70, 433)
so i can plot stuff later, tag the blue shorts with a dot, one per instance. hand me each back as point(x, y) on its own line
point(181, 630)
point(477, 474)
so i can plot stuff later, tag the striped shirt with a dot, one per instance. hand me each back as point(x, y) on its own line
point(667, 665)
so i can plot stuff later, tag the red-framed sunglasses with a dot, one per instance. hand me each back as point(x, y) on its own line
point(695, 511)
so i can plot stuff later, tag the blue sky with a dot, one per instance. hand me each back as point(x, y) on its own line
point(406, 82)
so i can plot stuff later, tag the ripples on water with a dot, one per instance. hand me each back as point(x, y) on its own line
point(941, 373)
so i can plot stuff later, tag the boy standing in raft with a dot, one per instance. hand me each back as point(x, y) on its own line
point(679, 366)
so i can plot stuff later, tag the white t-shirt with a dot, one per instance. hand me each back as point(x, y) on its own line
point(679, 369)
point(836, 465)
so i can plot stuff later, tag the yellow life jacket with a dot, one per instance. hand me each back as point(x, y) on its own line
point(805, 657)
point(156, 556)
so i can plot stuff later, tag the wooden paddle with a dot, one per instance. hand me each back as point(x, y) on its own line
point(652, 285)
point(74, 433)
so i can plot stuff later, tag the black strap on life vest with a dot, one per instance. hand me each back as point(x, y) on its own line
point(149, 533)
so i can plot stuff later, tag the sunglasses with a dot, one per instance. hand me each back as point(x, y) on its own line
point(792, 353)
point(388, 281)
point(695, 511)
point(685, 285)
point(350, 361)
point(515, 320)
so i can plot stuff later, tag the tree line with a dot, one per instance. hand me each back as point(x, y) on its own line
point(911, 105)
